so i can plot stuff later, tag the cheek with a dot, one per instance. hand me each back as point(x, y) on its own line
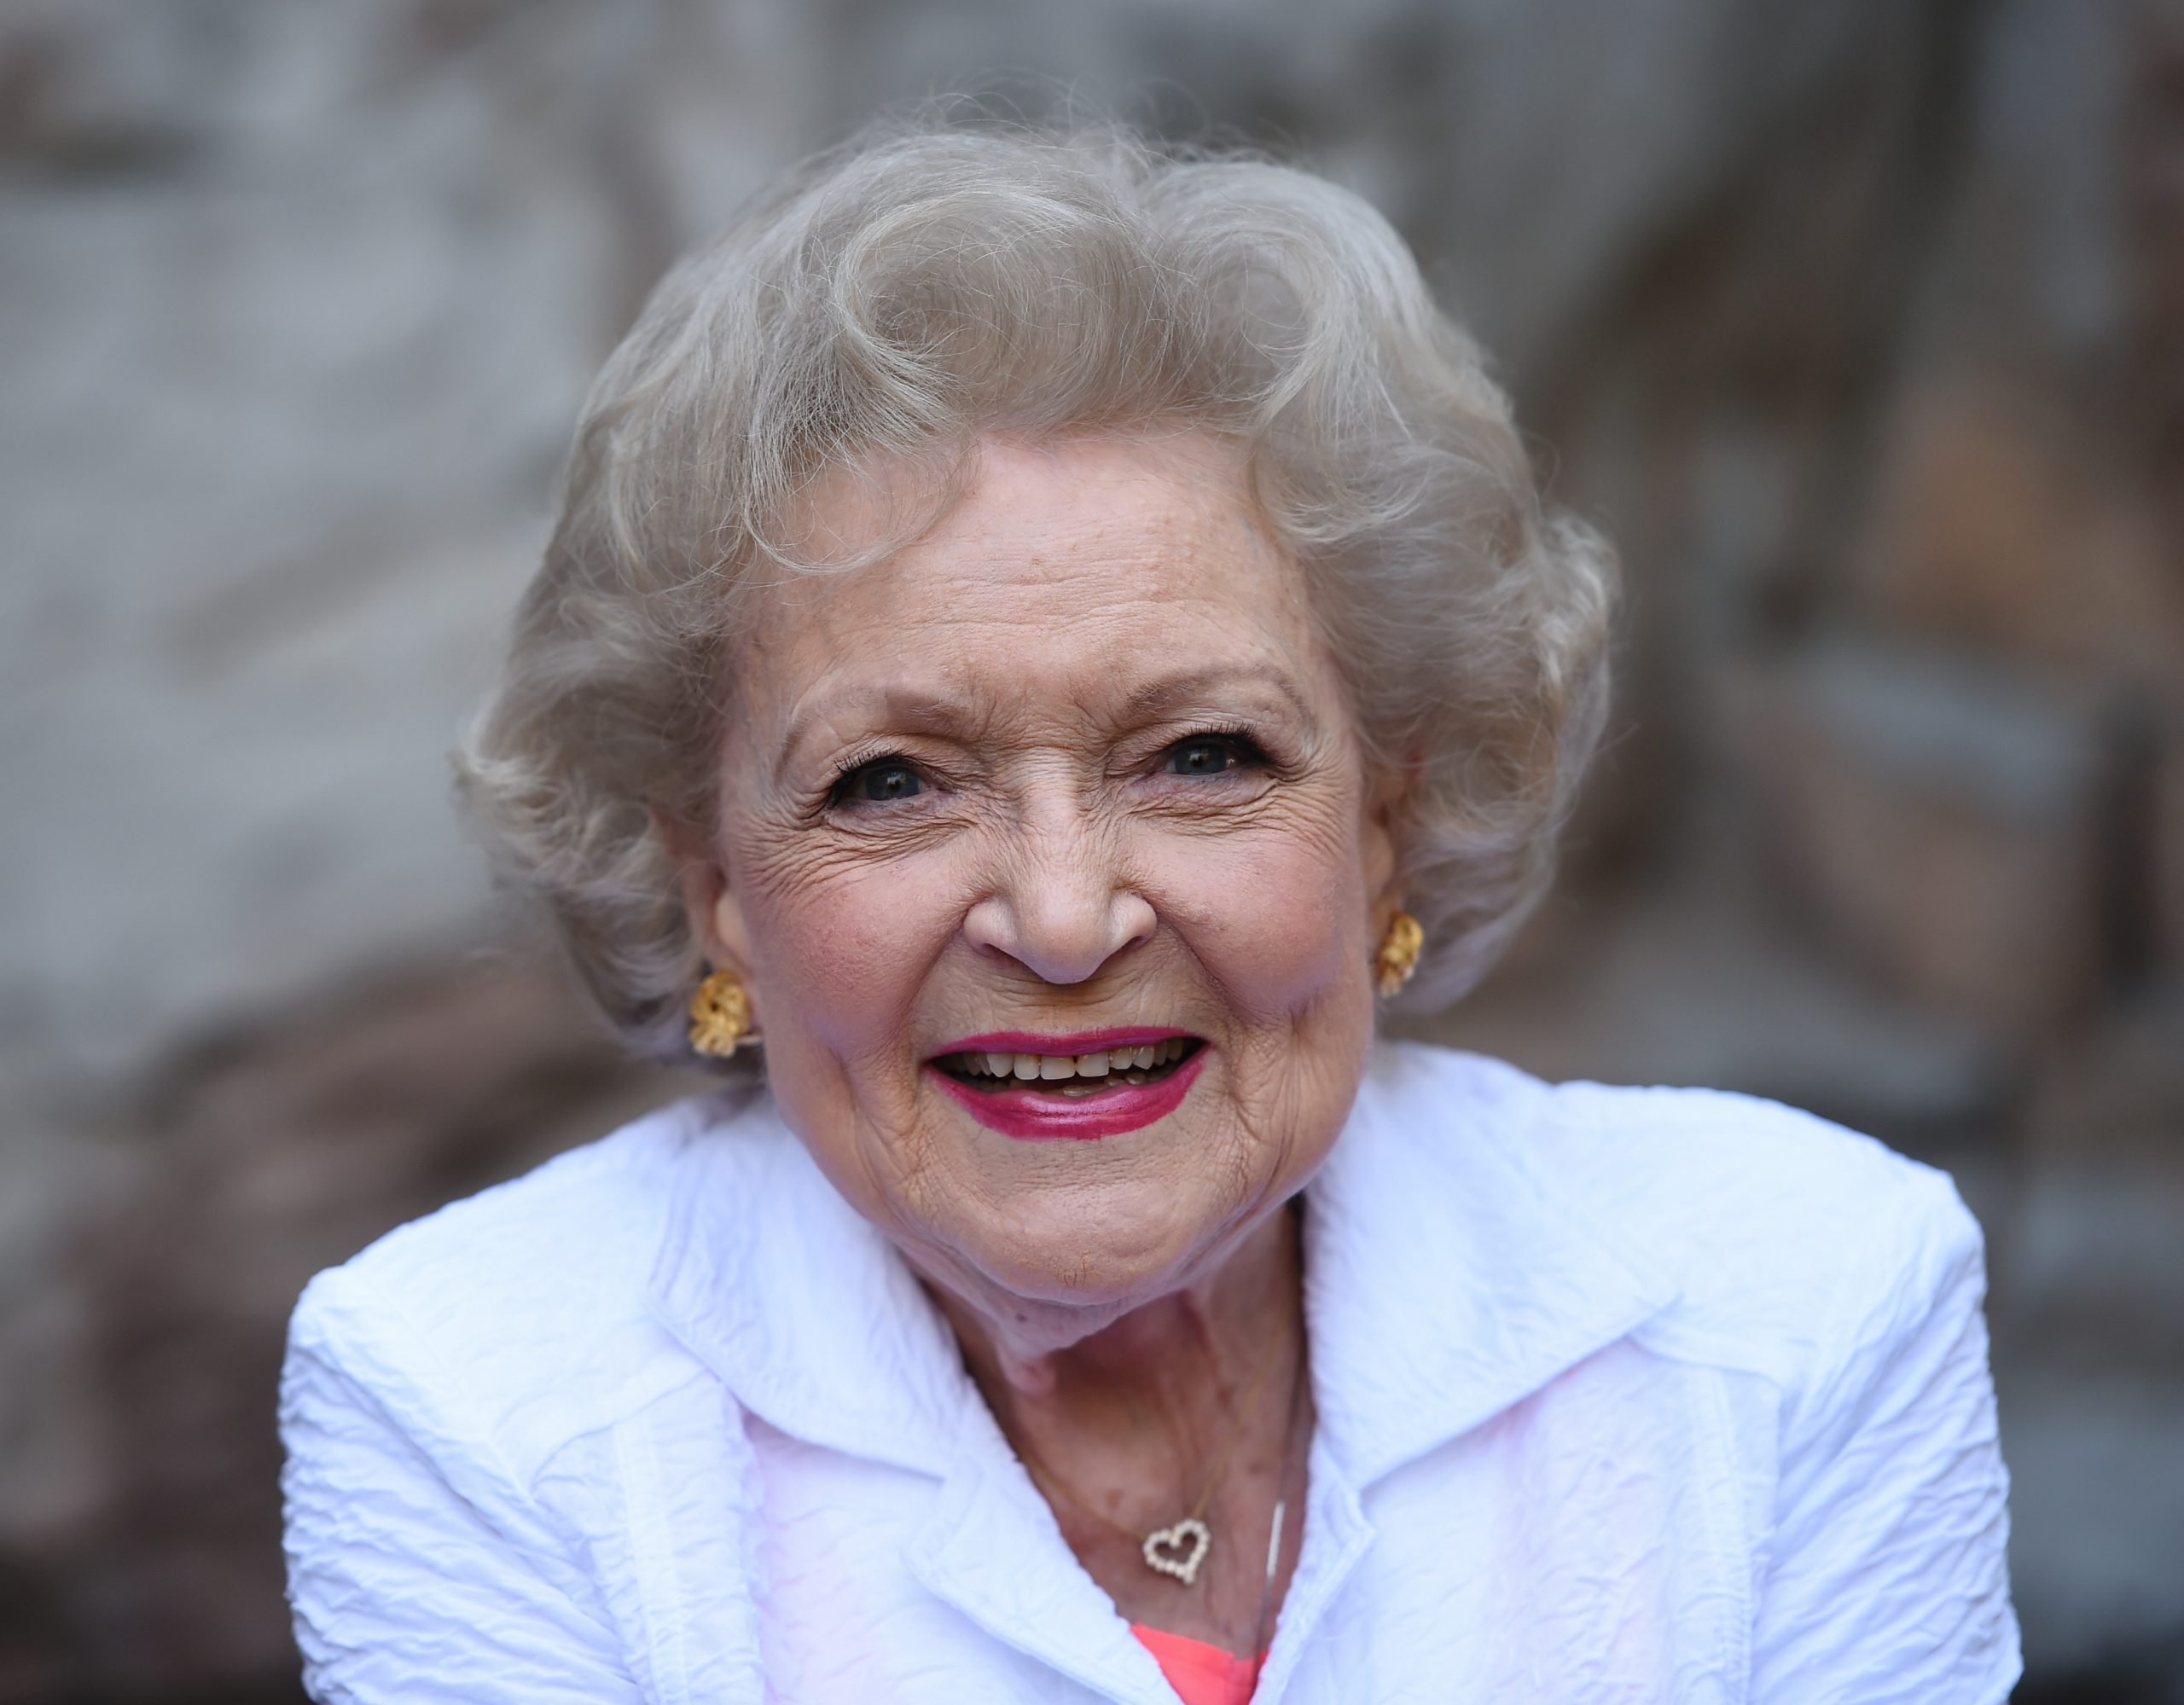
point(1276, 919)
point(843, 955)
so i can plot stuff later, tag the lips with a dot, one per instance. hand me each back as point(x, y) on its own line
point(1070, 1088)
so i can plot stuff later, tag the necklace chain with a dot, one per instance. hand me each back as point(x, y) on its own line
point(1187, 1570)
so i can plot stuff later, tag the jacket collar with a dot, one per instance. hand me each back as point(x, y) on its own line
point(798, 1302)
point(1445, 1278)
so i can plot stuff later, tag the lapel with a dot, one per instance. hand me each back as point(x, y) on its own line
point(1445, 1278)
point(972, 1552)
point(799, 1306)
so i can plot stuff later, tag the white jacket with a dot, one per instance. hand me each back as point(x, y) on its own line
point(1622, 1396)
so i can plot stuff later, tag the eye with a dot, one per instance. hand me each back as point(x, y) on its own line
point(1210, 755)
point(881, 782)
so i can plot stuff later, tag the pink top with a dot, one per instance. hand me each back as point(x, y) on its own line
point(1200, 1673)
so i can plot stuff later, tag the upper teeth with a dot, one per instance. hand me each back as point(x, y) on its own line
point(1048, 1067)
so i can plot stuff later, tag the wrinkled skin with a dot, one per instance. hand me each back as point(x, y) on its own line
point(968, 789)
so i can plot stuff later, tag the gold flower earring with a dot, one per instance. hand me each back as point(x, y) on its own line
point(1399, 954)
point(720, 1016)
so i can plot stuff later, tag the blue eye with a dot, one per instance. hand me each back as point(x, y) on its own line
point(1209, 755)
point(878, 783)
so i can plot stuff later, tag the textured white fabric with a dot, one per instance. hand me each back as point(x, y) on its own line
point(1623, 1395)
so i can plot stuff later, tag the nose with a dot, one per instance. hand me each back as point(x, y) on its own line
point(1063, 913)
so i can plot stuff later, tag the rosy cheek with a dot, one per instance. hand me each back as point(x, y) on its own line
point(850, 952)
point(1272, 923)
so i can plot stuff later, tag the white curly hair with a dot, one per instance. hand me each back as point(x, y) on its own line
point(942, 277)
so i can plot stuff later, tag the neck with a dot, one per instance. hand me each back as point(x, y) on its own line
point(1150, 1370)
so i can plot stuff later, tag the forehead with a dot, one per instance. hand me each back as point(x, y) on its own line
point(1075, 574)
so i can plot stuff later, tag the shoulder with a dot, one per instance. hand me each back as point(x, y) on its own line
point(525, 1307)
point(1789, 1241)
point(1794, 1244)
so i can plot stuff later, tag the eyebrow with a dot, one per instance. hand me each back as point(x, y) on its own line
point(1167, 693)
point(921, 710)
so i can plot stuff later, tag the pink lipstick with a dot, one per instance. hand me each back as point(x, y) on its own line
point(1128, 1079)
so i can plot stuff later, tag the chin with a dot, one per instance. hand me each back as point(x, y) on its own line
point(1125, 1249)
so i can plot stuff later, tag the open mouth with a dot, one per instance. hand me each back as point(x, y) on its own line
point(1074, 1077)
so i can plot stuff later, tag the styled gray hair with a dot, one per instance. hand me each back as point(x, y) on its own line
point(934, 279)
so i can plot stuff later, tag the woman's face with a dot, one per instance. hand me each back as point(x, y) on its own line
point(1069, 779)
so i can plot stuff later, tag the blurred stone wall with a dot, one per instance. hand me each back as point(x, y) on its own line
point(1860, 325)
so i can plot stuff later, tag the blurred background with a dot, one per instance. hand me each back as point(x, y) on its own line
point(1859, 323)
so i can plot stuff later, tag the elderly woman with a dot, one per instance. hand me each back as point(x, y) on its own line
point(1045, 639)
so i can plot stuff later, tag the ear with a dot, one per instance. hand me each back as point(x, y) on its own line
point(709, 901)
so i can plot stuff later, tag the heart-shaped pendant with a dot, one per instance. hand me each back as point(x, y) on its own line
point(1178, 1551)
